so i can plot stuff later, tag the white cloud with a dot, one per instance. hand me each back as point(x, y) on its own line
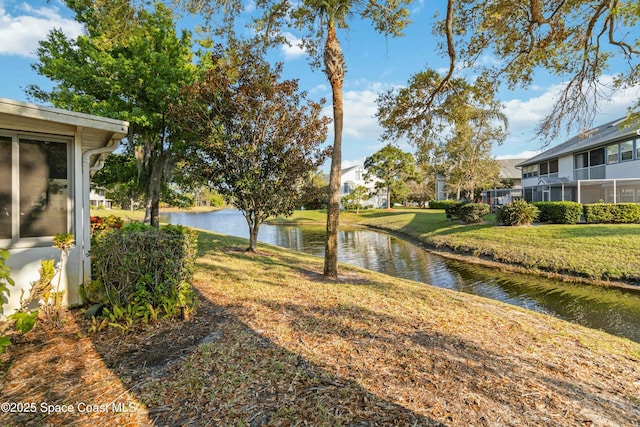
point(21, 32)
point(525, 114)
point(293, 50)
point(527, 154)
point(249, 6)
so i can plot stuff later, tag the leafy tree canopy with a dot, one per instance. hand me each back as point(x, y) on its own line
point(393, 167)
point(130, 64)
point(259, 137)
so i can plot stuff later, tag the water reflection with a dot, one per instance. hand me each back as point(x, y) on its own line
point(613, 310)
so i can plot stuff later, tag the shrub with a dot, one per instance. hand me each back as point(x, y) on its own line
point(518, 212)
point(442, 204)
point(559, 212)
point(5, 282)
point(145, 267)
point(99, 223)
point(622, 213)
point(451, 209)
point(472, 213)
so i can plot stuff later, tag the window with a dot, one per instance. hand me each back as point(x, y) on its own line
point(37, 205)
point(626, 150)
point(5, 187)
point(589, 165)
point(544, 168)
point(581, 161)
point(358, 174)
point(612, 154)
point(637, 142)
point(530, 171)
point(596, 157)
point(549, 168)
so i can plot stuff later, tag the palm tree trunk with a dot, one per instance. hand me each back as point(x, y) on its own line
point(334, 69)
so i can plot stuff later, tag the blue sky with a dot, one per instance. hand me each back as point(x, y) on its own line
point(374, 63)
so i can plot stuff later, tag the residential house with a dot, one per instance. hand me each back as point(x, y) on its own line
point(601, 164)
point(98, 199)
point(352, 177)
point(509, 173)
point(47, 156)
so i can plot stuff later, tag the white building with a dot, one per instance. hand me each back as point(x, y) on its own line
point(353, 177)
point(46, 158)
point(98, 199)
point(601, 164)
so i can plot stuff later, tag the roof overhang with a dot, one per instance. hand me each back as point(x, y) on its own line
point(95, 131)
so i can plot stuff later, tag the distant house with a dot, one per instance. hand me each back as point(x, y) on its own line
point(509, 173)
point(47, 156)
point(352, 177)
point(98, 199)
point(601, 164)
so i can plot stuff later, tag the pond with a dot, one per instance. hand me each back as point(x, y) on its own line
point(615, 311)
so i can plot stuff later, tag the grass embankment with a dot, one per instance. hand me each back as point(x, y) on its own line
point(599, 252)
point(283, 347)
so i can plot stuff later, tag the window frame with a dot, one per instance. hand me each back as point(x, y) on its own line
point(610, 155)
point(16, 240)
point(630, 143)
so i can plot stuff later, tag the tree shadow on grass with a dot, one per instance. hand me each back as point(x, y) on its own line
point(234, 375)
point(467, 383)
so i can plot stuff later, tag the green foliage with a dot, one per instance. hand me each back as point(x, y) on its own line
point(119, 177)
point(451, 209)
point(354, 199)
point(621, 213)
point(518, 212)
point(314, 192)
point(442, 204)
point(472, 213)
point(4, 343)
point(559, 212)
point(393, 167)
point(133, 68)
point(259, 137)
point(5, 282)
point(475, 119)
point(25, 320)
point(136, 226)
point(143, 273)
point(5, 276)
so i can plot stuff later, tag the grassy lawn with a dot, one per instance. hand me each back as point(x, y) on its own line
point(274, 343)
point(594, 251)
point(297, 349)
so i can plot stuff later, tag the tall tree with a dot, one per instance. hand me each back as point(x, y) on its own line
point(356, 197)
point(575, 40)
point(389, 17)
point(259, 137)
point(457, 135)
point(393, 167)
point(320, 20)
point(130, 64)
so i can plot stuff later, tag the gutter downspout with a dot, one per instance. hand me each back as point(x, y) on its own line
point(85, 225)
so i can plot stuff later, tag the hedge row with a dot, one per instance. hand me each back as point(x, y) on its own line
point(442, 204)
point(559, 212)
point(621, 213)
point(135, 265)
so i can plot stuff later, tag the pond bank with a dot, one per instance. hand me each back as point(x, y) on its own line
point(602, 254)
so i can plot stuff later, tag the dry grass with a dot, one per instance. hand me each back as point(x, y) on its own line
point(273, 343)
